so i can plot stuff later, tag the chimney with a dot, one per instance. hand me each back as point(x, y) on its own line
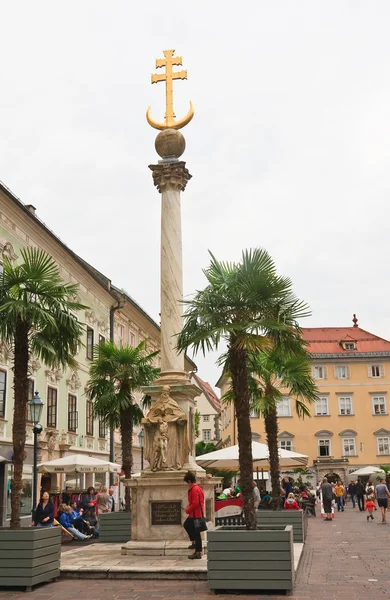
point(31, 209)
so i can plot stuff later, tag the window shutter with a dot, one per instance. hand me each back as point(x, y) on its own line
point(325, 372)
point(369, 371)
point(347, 372)
point(335, 372)
point(382, 370)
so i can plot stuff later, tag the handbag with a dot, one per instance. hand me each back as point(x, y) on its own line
point(201, 523)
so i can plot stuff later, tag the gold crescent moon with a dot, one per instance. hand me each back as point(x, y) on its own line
point(172, 124)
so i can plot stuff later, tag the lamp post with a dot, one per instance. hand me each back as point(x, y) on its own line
point(141, 445)
point(36, 406)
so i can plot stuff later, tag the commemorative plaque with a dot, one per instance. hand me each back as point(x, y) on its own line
point(166, 513)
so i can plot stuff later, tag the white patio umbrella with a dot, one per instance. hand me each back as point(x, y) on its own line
point(367, 471)
point(78, 463)
point(227, 458)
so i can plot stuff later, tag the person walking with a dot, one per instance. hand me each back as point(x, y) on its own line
point(360, 494)
point(339, 492)
point(112, 499)
point(352, 493)
point(194, 511)
point(327, 497)
point(287, 487)
point(256, 495)
point(382, 494)
point(44, 512)
point(370, 507)
point(103, 501)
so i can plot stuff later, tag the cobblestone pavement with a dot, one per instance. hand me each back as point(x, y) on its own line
point(343, 560)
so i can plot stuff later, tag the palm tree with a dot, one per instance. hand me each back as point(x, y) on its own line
point(204, 448)
point(248, 306)
point(275, 373)
point(35, 319)
point(115, 374)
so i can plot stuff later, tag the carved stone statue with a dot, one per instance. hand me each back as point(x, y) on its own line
point(166, 439)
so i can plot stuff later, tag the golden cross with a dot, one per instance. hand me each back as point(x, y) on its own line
point(168, 77)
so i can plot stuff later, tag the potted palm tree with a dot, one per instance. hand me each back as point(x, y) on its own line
point(36, 319)
point(248, 306)
point(116, 374)
point(276, 372)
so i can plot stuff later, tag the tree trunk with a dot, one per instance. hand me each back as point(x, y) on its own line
point(127, 450)
point(271, 429)
point(19, 422)
point(239, 376)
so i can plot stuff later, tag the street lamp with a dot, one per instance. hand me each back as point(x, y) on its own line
point(141, 436)
point(36, 406)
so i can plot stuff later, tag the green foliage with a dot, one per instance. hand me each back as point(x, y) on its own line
point(250, 308)
point(32, 292)
point(204, 448)
point(227, 476)
point(197, 423)
point(115, 374)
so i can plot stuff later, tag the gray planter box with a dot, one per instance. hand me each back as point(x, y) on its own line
point(115, 527)
point(238, 559)
point(29, 555)
point(296, 518)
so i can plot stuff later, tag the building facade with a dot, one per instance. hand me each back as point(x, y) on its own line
point(69, 426)
point(208, 405)
point(349, 425)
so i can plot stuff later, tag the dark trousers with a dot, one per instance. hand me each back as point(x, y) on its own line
point(360, 501)
point(340, 503)
point(194, 537)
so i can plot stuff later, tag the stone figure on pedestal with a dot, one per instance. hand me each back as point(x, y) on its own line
point(166, 436)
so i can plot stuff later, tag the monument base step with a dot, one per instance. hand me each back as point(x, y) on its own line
point(158, 548)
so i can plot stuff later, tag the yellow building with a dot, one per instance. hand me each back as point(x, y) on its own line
point(350, 423)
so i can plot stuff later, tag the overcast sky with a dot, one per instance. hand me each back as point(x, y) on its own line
point(289, 147)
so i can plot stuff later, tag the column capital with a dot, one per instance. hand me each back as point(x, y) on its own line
point(170, 176)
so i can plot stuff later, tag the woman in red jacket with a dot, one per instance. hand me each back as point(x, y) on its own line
point(291, 503)
point(194, 510)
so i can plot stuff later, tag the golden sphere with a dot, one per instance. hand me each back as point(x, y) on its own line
point(170, 143)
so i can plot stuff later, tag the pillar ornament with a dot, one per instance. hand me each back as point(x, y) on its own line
point(170, 176)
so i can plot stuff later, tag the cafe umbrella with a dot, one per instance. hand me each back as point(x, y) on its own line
point(78, 463)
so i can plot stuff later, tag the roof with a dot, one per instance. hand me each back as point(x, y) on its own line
point(329, 341)
point(209, 393)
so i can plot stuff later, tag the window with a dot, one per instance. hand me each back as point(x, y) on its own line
point(121, 334)
point(1, 267)
point(206, 435)
point(383, 445)
point(72, 413)
point(319, 372)
point(345, 405)
point(89, 428)
point(206, 418)
point(286, 445)
point(3, 391)
point(375, 371)
point(90, 335)
point(284, 408)
point(30, 396)
point(342, 372)
point(349, 346)
point(132, 339)
point(321, 407)
point(102, 339)
point(348, 447)
point(102, 429)
point(51, 407)
point(254, 413)
point(379, 405)
point(324, 447)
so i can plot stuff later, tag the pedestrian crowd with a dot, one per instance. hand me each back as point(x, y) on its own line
point(367, 497)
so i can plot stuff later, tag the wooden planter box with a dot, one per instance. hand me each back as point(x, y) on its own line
point(296, 518)
point(238, 559)
point(115, 527)
point(29, 555)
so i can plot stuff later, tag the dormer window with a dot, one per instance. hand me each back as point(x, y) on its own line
point(349, 345)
